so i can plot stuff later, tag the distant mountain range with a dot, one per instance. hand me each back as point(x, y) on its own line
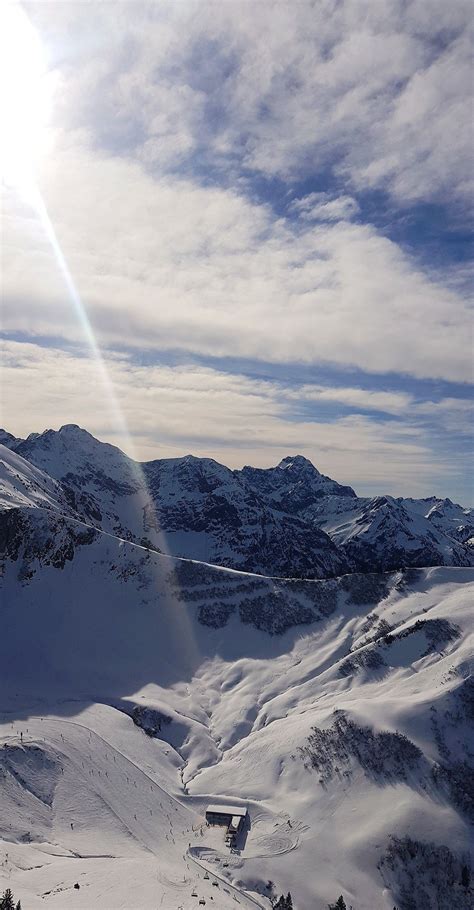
point(290, 520)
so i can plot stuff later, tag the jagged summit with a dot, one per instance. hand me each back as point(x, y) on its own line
point(295, 485)
point(73, 428)
point(190, 462)
point(68, 432)
point(297, 462)
point(9, 440)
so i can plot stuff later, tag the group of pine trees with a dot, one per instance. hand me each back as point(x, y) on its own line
point(7, 901)
point(284, 903)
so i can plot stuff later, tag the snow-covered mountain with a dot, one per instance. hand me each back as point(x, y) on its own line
point(385, 532)
point(289, 520)
point(137, 688)
point(449, 517)
point(188, 506)
point(295, 485)
point(206, 512)
point(379, 533)
point(21, 484)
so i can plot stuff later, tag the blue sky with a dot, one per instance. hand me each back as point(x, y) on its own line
point(264, 212)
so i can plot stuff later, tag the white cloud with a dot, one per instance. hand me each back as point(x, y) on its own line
point(323, 207)
point(386, 402)
point(379, 93)
point(454, 415)
point(424, 149)
point(170, 264)
point(230, 417)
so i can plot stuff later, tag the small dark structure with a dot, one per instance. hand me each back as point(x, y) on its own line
point(234, 818)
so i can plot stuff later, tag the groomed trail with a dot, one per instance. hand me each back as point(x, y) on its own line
point(95, 781)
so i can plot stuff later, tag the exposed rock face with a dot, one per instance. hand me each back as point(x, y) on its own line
point(295, 485)
point(40, 539)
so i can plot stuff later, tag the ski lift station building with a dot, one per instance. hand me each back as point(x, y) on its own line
point(233, 817)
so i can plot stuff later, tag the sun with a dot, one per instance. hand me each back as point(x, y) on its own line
point(25, 97)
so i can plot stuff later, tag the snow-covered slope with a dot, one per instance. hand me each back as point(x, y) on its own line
point(137, 687)
point(338, 710)
point(383, 533)
point(21, 484)
point(449, 517)
point(289, 520)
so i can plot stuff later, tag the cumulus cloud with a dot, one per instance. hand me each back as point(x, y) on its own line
point(231, 417)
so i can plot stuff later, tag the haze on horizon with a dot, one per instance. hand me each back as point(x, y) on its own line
point(242, 231)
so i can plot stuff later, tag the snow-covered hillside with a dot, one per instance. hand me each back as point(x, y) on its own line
point(21, 484)
point(138, 687)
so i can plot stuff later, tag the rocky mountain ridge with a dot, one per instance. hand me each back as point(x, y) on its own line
point(289, 521)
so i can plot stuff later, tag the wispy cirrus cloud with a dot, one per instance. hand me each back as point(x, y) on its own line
point(234, 418)
point(324, 207)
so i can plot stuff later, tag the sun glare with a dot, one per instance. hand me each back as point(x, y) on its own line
point(25, 97)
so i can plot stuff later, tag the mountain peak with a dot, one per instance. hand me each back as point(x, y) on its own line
point(69, 435)
point(74, 431)
point(71, 427)
point(296, 461)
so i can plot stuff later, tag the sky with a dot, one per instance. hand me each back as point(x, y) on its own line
point(243, 230)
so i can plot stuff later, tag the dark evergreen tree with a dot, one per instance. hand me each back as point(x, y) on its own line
point(465, 877)
point(284, 903)
point(339, 905)
point(18, 906)
point(6, 900)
